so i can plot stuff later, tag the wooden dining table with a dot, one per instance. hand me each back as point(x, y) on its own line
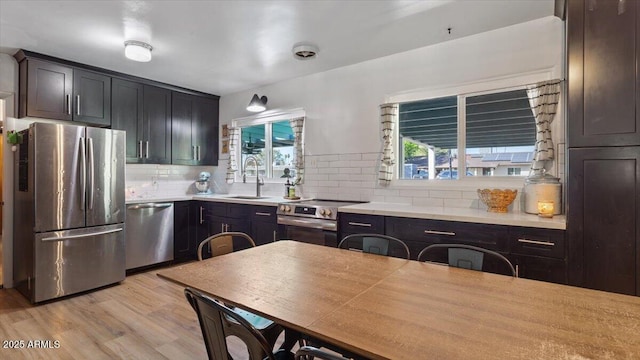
point(381, 307)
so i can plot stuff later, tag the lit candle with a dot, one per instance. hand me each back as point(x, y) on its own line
point(545, 208)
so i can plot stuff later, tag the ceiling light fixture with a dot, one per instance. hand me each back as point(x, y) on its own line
point(257, 104)
point(137, 50)
point(305, 51)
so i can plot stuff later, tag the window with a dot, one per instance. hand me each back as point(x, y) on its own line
point(513, 171)
point(499, 136)
point(269, 139)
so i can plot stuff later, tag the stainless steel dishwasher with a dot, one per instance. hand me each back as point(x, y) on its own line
point(148, 234)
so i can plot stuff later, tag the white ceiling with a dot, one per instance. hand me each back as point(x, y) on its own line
point(222, 47)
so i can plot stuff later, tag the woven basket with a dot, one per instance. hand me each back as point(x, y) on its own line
point(497, 200)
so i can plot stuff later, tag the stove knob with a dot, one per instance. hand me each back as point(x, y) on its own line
point(327, 212)
point(287, 208)
point(281, 207)
point(321, 212)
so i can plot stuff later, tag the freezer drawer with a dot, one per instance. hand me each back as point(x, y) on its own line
point(71, 261)
point(149, 234)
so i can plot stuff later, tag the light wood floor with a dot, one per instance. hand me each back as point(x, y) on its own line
point(144, 317)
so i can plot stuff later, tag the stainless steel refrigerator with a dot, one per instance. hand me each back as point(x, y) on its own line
point(69, 208)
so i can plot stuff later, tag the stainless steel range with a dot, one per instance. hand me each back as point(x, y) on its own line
point(311, 221)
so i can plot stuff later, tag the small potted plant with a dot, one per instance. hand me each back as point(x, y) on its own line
point(14, 138)
point(290, 190)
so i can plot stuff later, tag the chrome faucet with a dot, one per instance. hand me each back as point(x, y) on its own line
point(244, 173)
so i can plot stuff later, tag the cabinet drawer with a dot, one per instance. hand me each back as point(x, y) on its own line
point(360, 223)
point(238, 211)
point(263, 213)
point(493, 237)
point(537, 242)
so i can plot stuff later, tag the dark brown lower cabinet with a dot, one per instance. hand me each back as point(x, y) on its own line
point(264, 224)
point(540, 268)
point(603, 224)
point(189, 230)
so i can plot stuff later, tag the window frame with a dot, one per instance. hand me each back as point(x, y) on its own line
point(462, 91)
point(266, 117)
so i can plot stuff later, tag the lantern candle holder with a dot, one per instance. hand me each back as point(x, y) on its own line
point(546, 209)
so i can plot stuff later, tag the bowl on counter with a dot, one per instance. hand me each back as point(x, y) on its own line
point(497, 200)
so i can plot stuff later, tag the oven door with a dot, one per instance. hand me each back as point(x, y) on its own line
point(312, 231)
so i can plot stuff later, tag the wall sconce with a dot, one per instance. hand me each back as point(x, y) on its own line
point(137, 50)
point(257, 104)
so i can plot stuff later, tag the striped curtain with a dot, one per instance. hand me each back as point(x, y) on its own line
point(543, 99)
point(297, 125)
point(232, 166)
point(388, 117)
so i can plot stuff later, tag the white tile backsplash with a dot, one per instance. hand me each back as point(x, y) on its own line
point(355, 177)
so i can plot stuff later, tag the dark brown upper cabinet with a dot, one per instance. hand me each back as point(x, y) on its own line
point(144, 112)
point(127, 114)
point(603, 85)
point(53, 91)
point(156, 141)
point(91, 97)
point(195, 130)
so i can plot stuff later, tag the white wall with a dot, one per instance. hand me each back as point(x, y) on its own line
point(8, 92)
point(342, 105)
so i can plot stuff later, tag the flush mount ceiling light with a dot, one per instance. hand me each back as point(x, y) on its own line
point(305, 51)
point(257, 104)
point(137, 50)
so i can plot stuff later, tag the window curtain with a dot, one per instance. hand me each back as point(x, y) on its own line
point(543, 99)
point(232, 166)
point(388, 118)
point(297, 125)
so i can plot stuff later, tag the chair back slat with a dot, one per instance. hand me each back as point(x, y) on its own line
point(376, 244)
point(468, 257)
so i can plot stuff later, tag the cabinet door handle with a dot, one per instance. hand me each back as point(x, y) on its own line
point(199, 158)
point(146, 155)
point(77, 104)
point(517, 270)
point(140, 149)
point(527, 241)
point(436, 232)
point(201, 218)
point(352, 223)
point(275, 235)
point(263, 214)
point(68, 104)
point(193, 152)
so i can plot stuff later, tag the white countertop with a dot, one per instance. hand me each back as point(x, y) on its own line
point(456, 214)
point(227, 198)
point(389, 209)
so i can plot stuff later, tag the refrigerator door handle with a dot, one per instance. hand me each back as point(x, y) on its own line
point(147, 149)
point(69, 237)
point(83, 174)
point(92, 167)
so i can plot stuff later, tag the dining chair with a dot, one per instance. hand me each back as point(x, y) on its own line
point(218, 321)
point(227, 242)
point(223, 243)
point(468, 257)
point(375, 244)
point(311, 353)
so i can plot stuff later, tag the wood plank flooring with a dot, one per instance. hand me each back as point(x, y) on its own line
point(144, 317)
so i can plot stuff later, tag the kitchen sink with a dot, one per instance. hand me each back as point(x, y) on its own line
point(249, 197)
